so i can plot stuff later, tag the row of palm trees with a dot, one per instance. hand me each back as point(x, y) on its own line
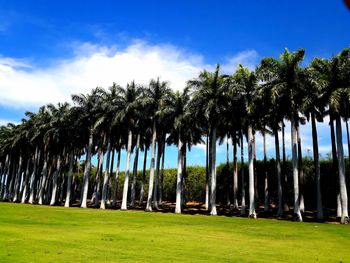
point(40, 156)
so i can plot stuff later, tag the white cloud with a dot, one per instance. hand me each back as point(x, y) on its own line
point(24, 85)
point(249, 59)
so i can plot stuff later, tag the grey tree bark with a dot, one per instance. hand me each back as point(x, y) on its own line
point(32, 178)
point(266, 181)
point(317, 167)
point(43, 181)
point(297, 213)
point(87, 171)
point(156, 182)
point(54, 181)
point(134, 175)
point(106, 176)
point(151, 173)
point(212, 150)
point(341, 168)
point(127, 171)
point(207, 174)
point(179, 178)
point(142, 191)
point(279, 177)
point(243, 205)
point(235, 173)
point(116, 178)
point(26, 178)
point(69, 180)
point(252, 213)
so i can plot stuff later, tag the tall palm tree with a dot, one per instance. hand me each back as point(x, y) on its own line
point(208, 99)
point(285, 79)
point(153, 100)
point(88, 106)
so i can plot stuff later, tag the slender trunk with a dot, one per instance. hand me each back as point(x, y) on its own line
point(317, 167)
point(228, 183)
point(243, 206)
point(335, 164)
point(43, 181)
point(69, 180)
point(54, 181)
point(156, 182)
point(278, 172)
point(266, 181)
point(151, 173)
point(26, 177)
point(18, 179)
point(97, 194)
point(96, 186)
point(284, 172)
point(142, 191)
point(213, 173)
point(347, 136)
point(252, 213)
point(297, 213)
point(235, 174)
point(162, 174)
point(127, 171)
point(179, 178)
point(207, 174)
point(300, 170)
point(87, 170)
point(116, 178)
point(106, 176)
point(32, 179)
point(341, 168)
point(134, 176)
point(183, 183)
point(111, 183)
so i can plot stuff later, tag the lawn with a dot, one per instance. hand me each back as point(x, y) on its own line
point(55, 234)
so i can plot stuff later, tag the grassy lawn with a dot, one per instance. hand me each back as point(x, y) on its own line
point(56, 234)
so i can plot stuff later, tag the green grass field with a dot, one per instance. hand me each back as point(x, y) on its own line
point(56, 234)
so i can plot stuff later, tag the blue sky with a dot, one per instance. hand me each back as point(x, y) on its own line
point(50, 49)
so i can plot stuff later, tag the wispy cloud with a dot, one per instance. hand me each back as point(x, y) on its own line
point(248, 58)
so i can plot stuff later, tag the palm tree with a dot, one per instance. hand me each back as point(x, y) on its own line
point(244, 86)
point(87, 107)
point(285, 79)
point(153, 101)
point(128, 115)
point(208, 99)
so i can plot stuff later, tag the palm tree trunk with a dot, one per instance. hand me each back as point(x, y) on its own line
point(96, 195)
point(54, 181)
point(228, 184)
point(106, 176)
point(110, 181)
point(252, 213)
point(133, 184)
point(266, 181)
point(335, 163)
point(297, 213)
point(347, 136)
point(300, 170)
point(26, 177)
point(207, 174)
point(179, 177)
point(162, 174)
point(235, 174)
point(151, 173)
point(341, 167)
point(243, 206)
point(127, 171)
point(18, 179)
point(317, 168)
point(284, 172)
point(116, 178)
point(69, 179)
point(213, 173)
point(278, 172)
point(4, 176)
point(87, 170)
point(142, 191)
point(32, 179)
point(43, 181)
point(156, 184)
